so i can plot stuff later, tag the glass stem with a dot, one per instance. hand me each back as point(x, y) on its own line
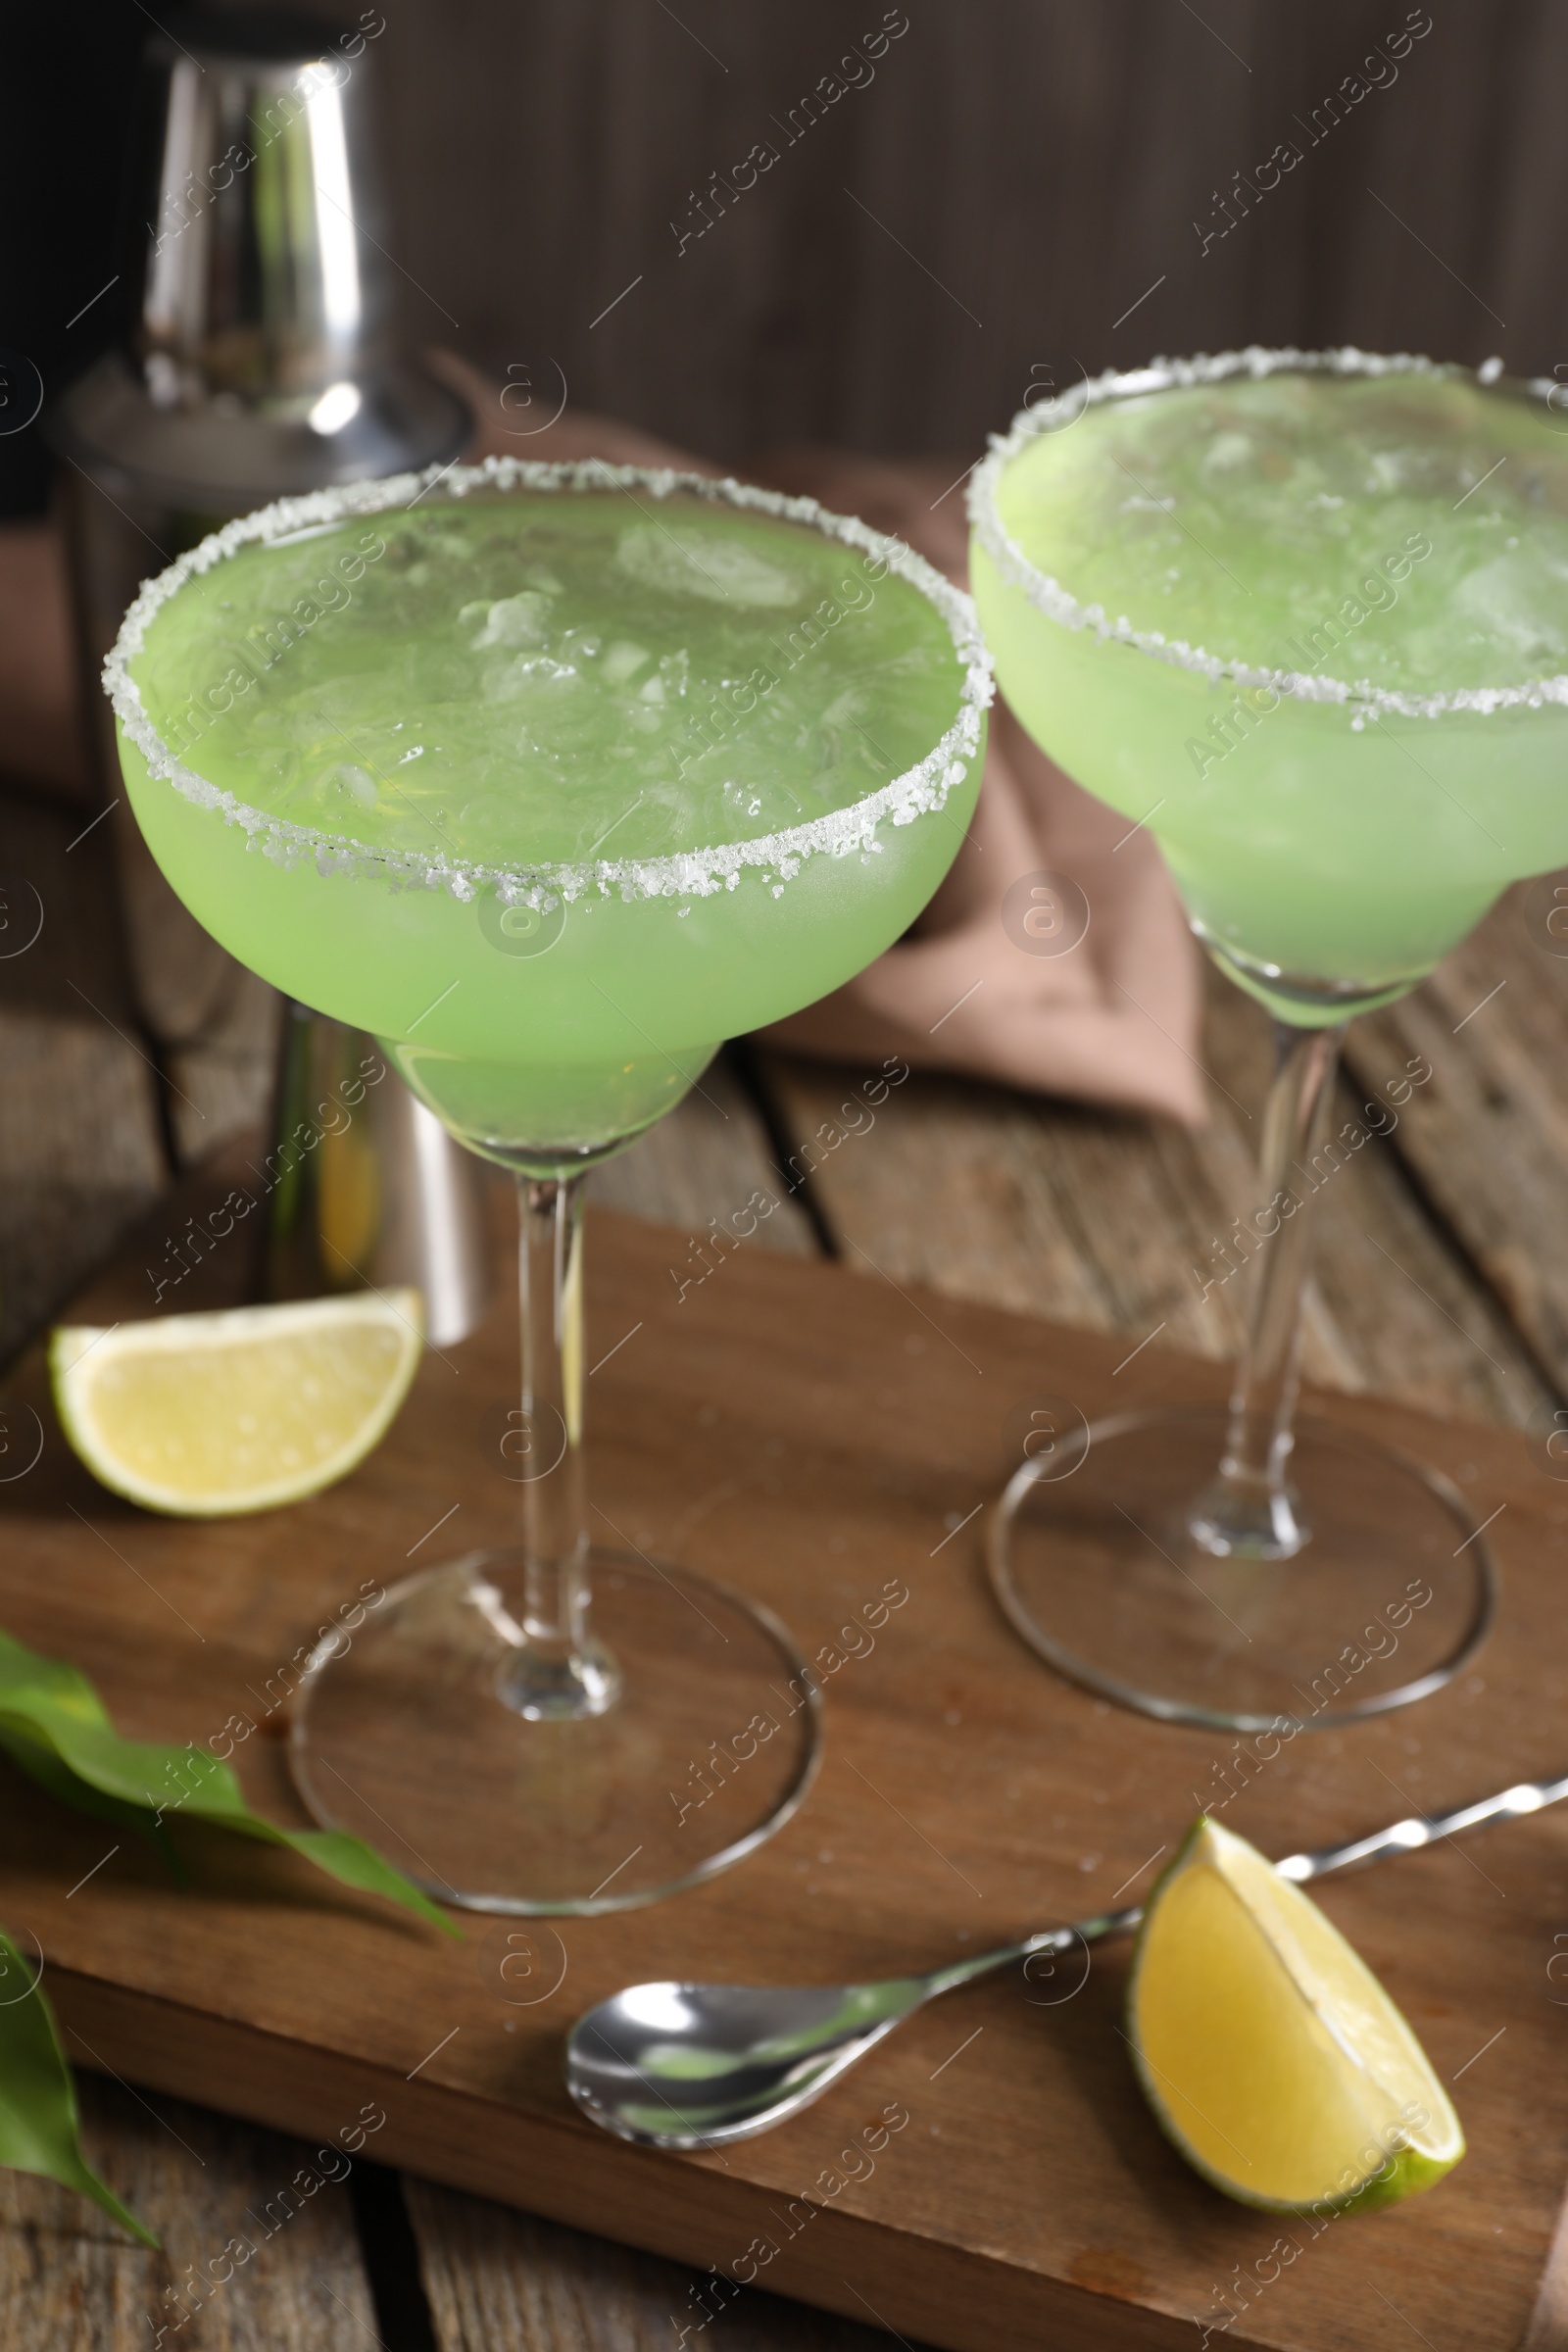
point(557, 1668)
point(1250, 1510)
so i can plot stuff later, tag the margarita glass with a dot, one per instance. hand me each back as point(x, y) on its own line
point(553, 777)
point(1306, 617)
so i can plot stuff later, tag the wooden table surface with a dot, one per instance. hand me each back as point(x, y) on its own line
point(1443, 1280)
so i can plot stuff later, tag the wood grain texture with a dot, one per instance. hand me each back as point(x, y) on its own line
point(81, 1151)
point(1118, 1224)
point(1486, 1142)
point(966, 1791)
point(498, 2279)
point(700, 1168)
point(220, 1079)
point(251, 2261)
point(1024, 184)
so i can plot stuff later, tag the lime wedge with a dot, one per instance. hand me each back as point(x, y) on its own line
point(1269, 2052)
point(210, 1415)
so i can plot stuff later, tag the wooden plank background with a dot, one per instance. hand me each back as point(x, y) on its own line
point(1016, 176)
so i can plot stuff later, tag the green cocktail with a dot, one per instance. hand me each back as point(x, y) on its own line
point(1306, 617)
point(596, 780)
point(1304, 623)
point(554, 778)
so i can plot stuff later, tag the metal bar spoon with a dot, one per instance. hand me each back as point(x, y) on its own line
point(691, 2066)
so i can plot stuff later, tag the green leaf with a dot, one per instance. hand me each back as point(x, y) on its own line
point(51, 1678)
point(39, 2127)
point(54, 1725)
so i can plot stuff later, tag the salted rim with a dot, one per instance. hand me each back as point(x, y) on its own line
point(1049, 597)
point(680, 873)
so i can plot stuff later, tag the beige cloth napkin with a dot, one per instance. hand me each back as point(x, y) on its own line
point(982, 984)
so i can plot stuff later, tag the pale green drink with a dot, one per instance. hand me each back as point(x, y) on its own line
point(1310, 625)
point(552, 785)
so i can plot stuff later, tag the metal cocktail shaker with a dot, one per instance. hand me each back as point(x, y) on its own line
point(263, 364)
point(364, 1185)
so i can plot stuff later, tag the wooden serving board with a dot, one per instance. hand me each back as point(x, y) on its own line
point(993, 2175)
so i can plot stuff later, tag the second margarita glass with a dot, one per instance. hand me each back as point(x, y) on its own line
point(1303, 615)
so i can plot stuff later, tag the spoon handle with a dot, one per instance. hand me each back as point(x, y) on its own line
point(1405, 1837)
point(1401, 1837)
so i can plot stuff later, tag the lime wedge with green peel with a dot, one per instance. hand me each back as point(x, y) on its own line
point(210, 1415)
point(1269, 2052)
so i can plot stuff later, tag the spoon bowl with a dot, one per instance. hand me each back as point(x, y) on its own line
point(691, 2065)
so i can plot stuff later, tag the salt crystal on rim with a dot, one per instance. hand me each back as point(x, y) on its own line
point(1049, 597)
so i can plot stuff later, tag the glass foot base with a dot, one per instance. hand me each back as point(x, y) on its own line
point(707, 1747)
point(1391, 1597)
